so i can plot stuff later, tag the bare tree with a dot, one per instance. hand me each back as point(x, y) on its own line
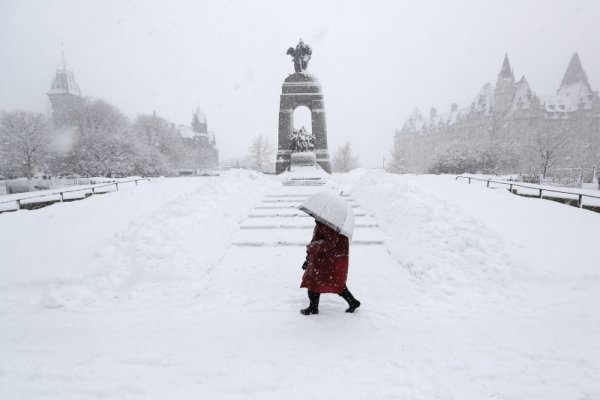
point(25, 140)
point(344, 160)
point(261, 152)
point(156, 131)
point(6, 164)
point(551, 148)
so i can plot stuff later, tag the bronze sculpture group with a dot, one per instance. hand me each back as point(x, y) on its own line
point(302, 140)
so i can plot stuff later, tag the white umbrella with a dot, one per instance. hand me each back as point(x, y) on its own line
point(331, 210)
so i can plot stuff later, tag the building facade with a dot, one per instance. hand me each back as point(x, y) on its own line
point(511, 125)
point(200, 144)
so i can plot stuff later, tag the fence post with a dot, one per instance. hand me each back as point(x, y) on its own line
point(540, 196)
point(510, 188)
point(488, 183)
point(18, 204)
point(61, 197)
point(579, 202)
point(117, 185)
point(136, 182)
point(93, 191)
point(469, 181)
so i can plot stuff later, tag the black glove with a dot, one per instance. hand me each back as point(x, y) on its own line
point(305, 264)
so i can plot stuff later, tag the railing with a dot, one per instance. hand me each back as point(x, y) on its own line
point(61, 193)
point(23, 185)
point(540, 190)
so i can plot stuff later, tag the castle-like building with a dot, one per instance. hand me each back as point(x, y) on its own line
point(201, 142)
point(510, 120)
point(66, 102)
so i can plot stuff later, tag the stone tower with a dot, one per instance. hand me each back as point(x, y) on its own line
point(505, 88)
point(301, 89)
point(199, 124)
point(65, 97)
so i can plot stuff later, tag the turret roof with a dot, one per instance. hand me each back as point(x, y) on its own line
point(200, 115)
point(64, 83)
point(505, 71)
point(574, 72)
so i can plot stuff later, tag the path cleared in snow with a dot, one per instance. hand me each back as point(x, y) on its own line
point(475, 294)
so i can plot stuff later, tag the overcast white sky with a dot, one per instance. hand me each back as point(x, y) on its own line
point(376, 60)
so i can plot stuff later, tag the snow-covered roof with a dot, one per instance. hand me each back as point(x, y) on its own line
point(523, 95)
point(64, 83)
point(416, 122)
point(484, 101)
point(186, 132)
point(574, 93)
point(574, 72)
point(569, 98)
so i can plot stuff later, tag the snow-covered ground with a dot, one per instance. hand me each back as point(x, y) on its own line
point(139, 294)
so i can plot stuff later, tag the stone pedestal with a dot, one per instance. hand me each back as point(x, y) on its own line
point(302, 89)
point(304, 159)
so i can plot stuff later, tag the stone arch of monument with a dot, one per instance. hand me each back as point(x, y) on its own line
point(302, 89)
point(302, 118)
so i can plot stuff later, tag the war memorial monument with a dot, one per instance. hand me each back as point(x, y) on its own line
point(302, 89)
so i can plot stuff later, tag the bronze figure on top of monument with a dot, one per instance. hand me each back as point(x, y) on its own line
point(300, 55)
point(301, 89)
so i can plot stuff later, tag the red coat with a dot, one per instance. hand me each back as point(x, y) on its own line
point(327, 268)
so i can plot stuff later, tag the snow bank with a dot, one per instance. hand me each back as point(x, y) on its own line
point(429, 217)
point(119, 245)
point(438, 241)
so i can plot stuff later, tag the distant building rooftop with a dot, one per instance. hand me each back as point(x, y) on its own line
point(64, 83)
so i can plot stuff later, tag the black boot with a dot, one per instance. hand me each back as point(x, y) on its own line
point(352, 302)
point(313, 307)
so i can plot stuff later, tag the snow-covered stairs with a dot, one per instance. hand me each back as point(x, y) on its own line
point(276, 221)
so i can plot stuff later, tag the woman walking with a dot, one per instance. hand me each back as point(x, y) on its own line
point(326, 268)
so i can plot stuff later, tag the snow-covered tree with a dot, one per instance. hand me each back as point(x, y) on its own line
point(104, 143)
point(397, 163)
point(344, 160)
point(261, 152)
point(458, 159)
point(24, 141)
point(149, 162)
point(160, 134)
point(157, 132)
point(455, 160)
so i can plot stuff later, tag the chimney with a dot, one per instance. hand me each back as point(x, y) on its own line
point(432, 112)
point(453, 107)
